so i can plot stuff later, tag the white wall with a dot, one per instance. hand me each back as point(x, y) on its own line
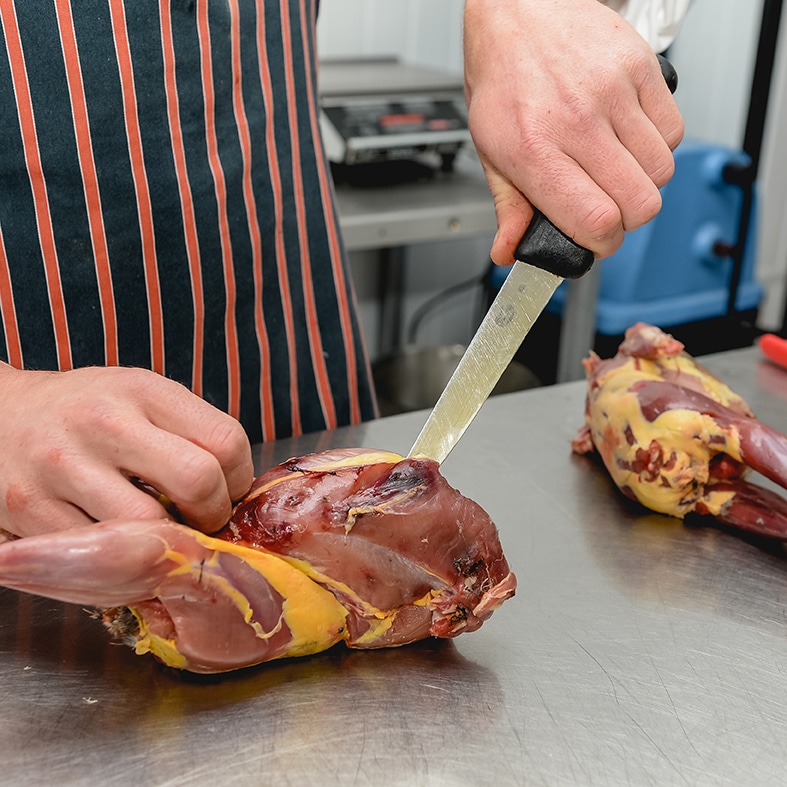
point(714, 56)
point(424, 32)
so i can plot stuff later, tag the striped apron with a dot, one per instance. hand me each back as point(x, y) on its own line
point(164, 204)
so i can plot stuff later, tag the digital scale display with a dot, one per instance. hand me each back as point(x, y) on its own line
point(411, 112)
point(406, 117)
point(382, 130)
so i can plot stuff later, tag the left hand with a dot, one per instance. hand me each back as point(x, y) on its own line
point(569, 113)
point(73, 441)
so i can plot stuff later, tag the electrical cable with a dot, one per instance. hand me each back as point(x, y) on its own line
point(436, 300)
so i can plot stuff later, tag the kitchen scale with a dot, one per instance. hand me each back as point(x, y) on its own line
point(383, 120)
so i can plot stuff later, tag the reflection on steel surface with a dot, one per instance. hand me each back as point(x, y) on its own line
point(637, 651)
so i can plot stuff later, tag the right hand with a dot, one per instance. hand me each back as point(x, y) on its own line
point(72, 441)
point(570, 114)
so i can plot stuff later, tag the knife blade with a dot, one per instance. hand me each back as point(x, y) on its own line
point(530, 284)
point(544, 258)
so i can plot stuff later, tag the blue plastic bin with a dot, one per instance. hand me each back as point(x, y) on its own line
point(666, 273)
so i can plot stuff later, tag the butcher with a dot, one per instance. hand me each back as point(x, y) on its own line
point(173, 285)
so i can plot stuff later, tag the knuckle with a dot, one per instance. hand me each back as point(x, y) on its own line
point(135, 376)
point(644, 212)
point(228, 440)
point(673, 135)
point(21, 497)
point(126, 376)
point(580, 117)
point(136, 383)
point(603, 230)
point(196, 477)
point(602, 222)
point(101, 413)
point(663, 171)
point(535, 139)
point(229, 446)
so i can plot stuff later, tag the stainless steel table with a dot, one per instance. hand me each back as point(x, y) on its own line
point(637, 650)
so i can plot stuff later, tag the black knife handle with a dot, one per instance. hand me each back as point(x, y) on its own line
point(669, 73)
point(546, 247)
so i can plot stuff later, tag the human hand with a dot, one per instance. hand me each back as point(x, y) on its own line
point(569, 113)
point(73, 441)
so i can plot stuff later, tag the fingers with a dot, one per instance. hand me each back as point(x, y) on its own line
point(101, 491)
point(594, 176)
point(82, 490)
point(29, 511)
point(197, 456)
point(201, 459)
point(614, 190)
point(659, 106)
point(224, 439)
point(190, 476)
point(586, 213)
point(176, 411)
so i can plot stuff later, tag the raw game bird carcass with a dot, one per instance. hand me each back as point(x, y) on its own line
point(354, 546)
point(677, 439)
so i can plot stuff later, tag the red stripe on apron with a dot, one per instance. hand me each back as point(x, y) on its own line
point(87, 164)
point(37, 183)
point(313, 327)
point(144, 207)
point(10, 325)
point(186, 197)
point(231, 338)
point(278, 210)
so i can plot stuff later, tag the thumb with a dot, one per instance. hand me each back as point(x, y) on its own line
point(514, 213)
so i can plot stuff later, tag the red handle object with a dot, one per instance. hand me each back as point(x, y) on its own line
point(774, 348)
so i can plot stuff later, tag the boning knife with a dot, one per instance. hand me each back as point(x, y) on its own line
point(544, 258)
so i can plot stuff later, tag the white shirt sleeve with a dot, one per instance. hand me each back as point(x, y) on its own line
point(657, 21)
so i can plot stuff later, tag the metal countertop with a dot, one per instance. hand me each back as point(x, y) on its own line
point(637, 650)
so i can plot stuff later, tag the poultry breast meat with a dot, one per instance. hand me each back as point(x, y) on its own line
point(677, 439)
point(352, 545)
